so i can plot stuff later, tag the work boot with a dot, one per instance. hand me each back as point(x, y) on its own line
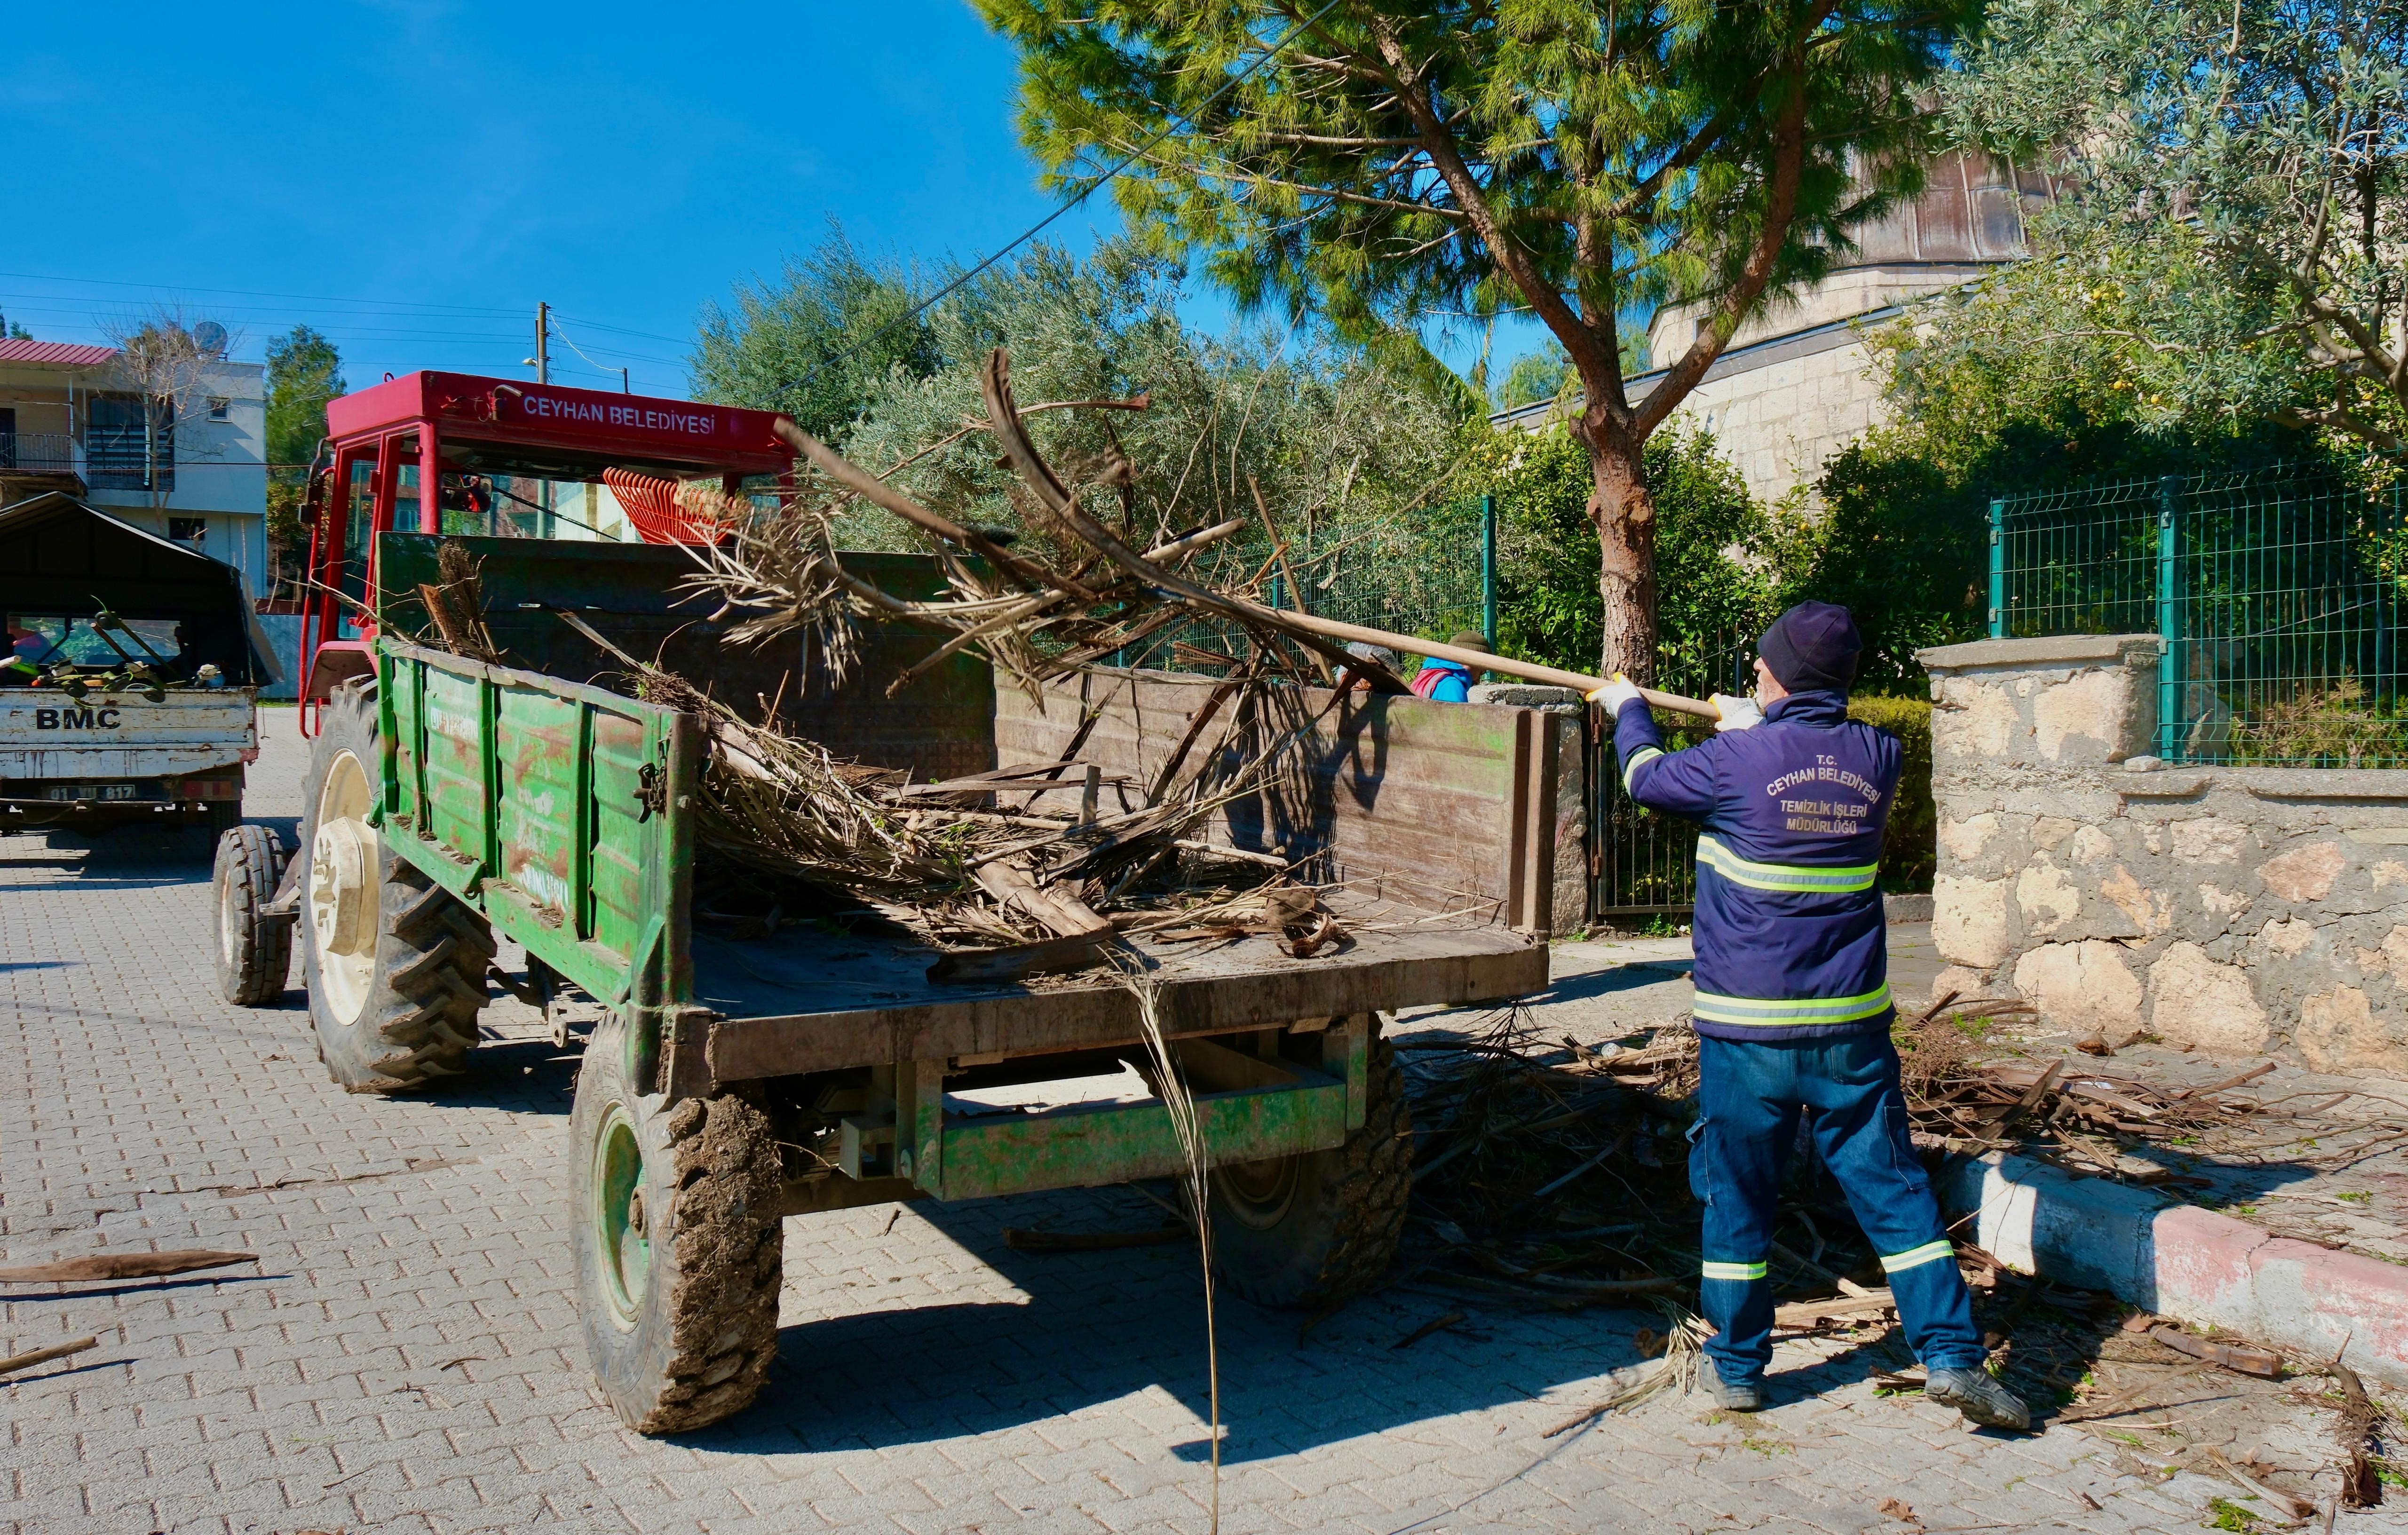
point(1736, 1395)
point(1977, 1394)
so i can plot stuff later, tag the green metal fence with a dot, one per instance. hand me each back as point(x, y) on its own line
point(1643, 862)
point(2278, 594)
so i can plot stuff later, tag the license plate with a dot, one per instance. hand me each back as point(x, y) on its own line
point(90, 791)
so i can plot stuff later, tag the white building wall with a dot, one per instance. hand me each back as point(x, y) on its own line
point(1781, 424)
point(220, 476)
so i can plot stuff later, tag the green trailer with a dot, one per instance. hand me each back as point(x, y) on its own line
point(731, 1083)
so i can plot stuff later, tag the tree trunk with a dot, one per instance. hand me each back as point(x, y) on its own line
point(1624, 511)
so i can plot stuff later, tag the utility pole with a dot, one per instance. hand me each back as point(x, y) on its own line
point(626, 386)
point(543, 376)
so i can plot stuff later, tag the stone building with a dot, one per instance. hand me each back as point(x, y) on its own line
point(2232, 910)
point(1797, 384)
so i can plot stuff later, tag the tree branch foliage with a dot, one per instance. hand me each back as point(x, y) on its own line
point(1341, 447)
point(1384, 163)
point(2233, 233)
point(305, 370)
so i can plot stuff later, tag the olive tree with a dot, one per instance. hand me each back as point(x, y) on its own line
point(2232, 236)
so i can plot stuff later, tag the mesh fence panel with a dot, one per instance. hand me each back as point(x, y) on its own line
point(2277, 593)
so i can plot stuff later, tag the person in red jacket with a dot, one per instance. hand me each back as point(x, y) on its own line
point(1792, 1007)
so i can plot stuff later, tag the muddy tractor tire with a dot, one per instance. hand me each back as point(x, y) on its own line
point(673, 1210)
point(1311, 1229)
point(396, 964)
point(254, 951)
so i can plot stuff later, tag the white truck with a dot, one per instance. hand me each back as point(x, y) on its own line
point(95, 762)
point(130, 687)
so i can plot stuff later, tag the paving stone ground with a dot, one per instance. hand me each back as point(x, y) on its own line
point(406, 1356)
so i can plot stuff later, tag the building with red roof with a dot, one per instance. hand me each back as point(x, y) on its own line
point(189, 465)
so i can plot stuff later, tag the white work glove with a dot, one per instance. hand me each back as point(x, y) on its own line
point(1737, 713)
point(1617, 692)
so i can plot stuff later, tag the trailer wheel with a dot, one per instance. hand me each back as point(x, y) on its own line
point(254, 953)
point(1316, 1228)
point(673, 1210)
point(396, 964)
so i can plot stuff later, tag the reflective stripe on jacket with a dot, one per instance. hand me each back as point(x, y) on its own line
point(1788, 928)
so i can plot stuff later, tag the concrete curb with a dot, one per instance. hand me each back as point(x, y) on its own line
point(2186, 1263)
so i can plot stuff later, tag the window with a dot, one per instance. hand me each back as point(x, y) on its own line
point(188, 530)
point(219, 406)
point(44, 640)
point(130, 443)
point(7, 437)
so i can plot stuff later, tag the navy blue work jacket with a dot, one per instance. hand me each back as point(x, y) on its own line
point(1788, 926)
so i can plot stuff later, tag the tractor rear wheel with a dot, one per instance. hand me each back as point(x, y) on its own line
point(396, 964)
point(254, 953)
point(673, 1215)
point(1318, 1226)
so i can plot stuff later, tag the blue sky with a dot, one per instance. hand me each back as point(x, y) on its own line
point(411, 178)
point(441, 168)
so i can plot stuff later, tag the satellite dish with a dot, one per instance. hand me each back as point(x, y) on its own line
point(211, 337)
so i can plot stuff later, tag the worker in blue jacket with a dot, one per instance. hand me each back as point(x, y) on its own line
point(1793, 1005)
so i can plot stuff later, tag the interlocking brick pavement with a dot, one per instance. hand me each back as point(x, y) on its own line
point(406, 1356)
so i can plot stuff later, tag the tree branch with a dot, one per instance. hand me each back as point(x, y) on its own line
point(1781, 207)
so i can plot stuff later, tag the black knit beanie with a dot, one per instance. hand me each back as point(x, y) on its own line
point(1813, 648)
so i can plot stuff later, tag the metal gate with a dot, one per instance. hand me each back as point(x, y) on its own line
point(1642, 863)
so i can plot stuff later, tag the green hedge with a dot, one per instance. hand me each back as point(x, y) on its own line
point(1910, 846)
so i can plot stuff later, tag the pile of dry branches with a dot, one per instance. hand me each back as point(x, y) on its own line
point(1082, 585)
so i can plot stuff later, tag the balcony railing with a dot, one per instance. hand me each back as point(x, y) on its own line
point(38, 452)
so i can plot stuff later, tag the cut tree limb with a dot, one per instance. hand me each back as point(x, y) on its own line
point(1010, 881)
point(1076, 952)
point(121, 1266)
point(43, 1355)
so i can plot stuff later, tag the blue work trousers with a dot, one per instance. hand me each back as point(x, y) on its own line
point(1750, 1097)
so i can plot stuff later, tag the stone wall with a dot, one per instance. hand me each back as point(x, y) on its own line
point(2238, 909)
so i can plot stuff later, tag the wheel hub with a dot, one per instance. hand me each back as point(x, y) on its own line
point(338, 886)
point(621, 1226)
point(1258, 1194)
point(341, 890)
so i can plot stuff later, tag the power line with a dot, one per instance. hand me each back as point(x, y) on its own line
point(252, 293)
point(1134, 155)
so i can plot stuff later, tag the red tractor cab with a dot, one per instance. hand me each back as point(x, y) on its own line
point(505, 458)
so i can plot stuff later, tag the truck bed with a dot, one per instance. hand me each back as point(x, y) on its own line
point(46, 735)
point(806, 999)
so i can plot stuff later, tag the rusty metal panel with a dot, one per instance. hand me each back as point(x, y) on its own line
point(452, 737)
point(617, 910)
point(538, 739)
point(638, 596)
point(1944, 219)
point(788, 1006)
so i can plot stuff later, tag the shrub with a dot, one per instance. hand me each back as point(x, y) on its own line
point(1910, 845)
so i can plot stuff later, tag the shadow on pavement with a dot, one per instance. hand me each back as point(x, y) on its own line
point(1099, 1326)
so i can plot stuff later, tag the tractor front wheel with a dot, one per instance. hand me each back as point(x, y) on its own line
point(254, 951)
point(673, 1210)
